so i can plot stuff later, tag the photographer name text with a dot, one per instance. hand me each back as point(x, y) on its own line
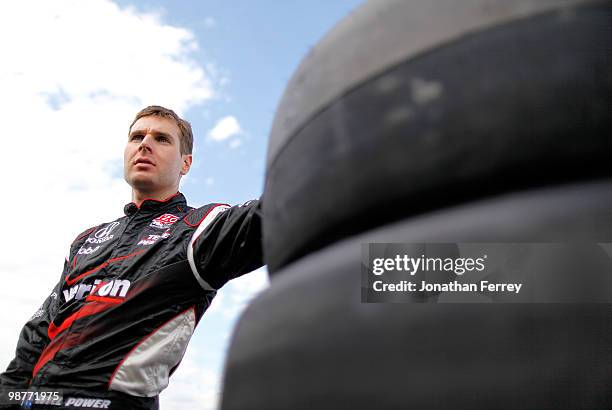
point(422, 264)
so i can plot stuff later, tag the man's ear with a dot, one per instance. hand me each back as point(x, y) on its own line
point(187, 158)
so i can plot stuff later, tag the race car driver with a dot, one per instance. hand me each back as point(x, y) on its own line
point(132, 290)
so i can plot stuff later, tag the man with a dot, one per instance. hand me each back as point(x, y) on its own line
point(132, 291)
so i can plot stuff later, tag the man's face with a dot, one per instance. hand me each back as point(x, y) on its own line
point(152, 159)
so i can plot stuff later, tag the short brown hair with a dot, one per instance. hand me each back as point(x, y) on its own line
point(186, 137)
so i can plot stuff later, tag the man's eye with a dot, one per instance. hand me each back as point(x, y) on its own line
point(163, 139)
point(135, 137)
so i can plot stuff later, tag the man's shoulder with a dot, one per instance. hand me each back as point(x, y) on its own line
point(195, 216)
point(85, 233)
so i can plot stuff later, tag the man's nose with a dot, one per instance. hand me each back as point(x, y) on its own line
point(145, 144)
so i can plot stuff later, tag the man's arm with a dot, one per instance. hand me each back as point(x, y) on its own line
point(227, 243)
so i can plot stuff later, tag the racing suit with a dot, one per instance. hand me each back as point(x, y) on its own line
point(131, 293)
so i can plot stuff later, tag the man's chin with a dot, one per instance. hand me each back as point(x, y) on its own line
point(142, 184)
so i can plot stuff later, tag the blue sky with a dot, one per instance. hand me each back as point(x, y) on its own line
point(256, 45)
point(74, 73)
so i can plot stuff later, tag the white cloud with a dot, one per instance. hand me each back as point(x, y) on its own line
point(72, 76)
point(236, 295)
point(198, 387)
point(235, 143)
point(225, 128)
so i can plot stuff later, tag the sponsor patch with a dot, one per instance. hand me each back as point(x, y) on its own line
point(86, 402)
point(151, 239)
point(165, 221)
point(116, 288)
point(87, 251)
point(38, 314)
point(104, 234)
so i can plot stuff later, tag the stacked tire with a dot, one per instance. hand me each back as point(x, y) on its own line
point(428, 122)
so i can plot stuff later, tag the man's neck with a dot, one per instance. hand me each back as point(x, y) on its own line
point(138, 197)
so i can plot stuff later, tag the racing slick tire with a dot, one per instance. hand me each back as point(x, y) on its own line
point(309, 342)
point(407, 107)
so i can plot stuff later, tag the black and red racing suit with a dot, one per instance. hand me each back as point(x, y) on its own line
point(131, 293)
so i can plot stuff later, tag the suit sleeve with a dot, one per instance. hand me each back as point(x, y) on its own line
point(227, 243)
point(32, 340)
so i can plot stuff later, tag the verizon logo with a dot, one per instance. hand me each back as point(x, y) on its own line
point(113, 288)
